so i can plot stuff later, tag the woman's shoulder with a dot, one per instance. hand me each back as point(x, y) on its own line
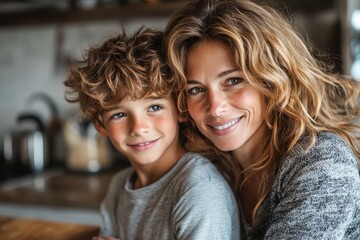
point(326, 140)
point(330, 154)
point(328, 146)
point(318, 183)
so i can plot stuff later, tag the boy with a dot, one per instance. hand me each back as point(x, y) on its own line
point(126, 88)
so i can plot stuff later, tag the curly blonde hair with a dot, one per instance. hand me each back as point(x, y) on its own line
point(132, 67)
point(303, 97)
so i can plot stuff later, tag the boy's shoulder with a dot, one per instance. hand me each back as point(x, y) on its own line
point(194, 169)
point(123, 172)
point(193, 164)
point(121, 175)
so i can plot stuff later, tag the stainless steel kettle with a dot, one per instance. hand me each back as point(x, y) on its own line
point(26, 147)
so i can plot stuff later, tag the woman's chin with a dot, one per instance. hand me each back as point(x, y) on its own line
point(226, 147)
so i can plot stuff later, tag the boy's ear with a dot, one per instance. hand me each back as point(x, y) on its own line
point(100, 128)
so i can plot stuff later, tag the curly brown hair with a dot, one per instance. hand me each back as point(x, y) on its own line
point(132, 67)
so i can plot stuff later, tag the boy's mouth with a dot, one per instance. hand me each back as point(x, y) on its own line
point(143, 145)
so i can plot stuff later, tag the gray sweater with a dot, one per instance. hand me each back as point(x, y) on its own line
point(316, 195)
point(192, 201)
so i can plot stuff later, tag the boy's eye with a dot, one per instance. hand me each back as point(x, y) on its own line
point(155, 108)
point(195, 90)
point(118, 115)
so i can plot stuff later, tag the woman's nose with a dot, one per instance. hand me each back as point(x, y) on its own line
point(139, 126)
point(216, 103)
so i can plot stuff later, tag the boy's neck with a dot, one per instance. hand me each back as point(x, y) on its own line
point(148, 174)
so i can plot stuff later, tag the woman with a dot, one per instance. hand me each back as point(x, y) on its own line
point(279, 125)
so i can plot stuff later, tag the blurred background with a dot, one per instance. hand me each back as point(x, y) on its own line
point(39, 39)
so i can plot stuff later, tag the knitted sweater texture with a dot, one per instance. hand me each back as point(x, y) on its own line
point(316, 195)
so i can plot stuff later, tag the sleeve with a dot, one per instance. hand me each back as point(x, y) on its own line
point(106, 220)
point(207, 210)
point(108, 207)
point(318, 201)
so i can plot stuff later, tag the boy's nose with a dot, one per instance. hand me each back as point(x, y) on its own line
point(139, 126)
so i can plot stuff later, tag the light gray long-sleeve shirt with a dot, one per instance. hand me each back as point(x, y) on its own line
point(316, 195)
point(192, 201)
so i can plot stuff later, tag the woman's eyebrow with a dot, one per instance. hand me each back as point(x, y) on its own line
point(192, 82)
point(220, 75)
point(223, 74)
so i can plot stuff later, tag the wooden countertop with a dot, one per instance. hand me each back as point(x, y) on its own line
point(21, 229)
point(60, 188)
point(57, 195)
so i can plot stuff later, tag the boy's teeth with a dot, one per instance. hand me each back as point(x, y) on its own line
point(227, 125)
point(143, 144)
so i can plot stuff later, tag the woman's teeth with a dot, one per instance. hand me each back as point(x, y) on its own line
point(227, 125)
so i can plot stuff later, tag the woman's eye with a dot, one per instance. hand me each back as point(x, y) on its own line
point(234, 81)
point(155, 108)
point(195, 90)
point(118, 115)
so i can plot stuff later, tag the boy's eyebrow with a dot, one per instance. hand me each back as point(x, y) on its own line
point(152, 98)
point(155, 98)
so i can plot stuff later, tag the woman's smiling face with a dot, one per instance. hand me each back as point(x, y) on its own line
point(225, 107)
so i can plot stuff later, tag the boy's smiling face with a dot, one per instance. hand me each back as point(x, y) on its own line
point(145, 130)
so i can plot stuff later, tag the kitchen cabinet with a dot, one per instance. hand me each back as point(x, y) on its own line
point(102, 13)
point(121, 12)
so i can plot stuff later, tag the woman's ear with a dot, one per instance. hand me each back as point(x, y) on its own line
point(182, 117)
point(99, 126)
